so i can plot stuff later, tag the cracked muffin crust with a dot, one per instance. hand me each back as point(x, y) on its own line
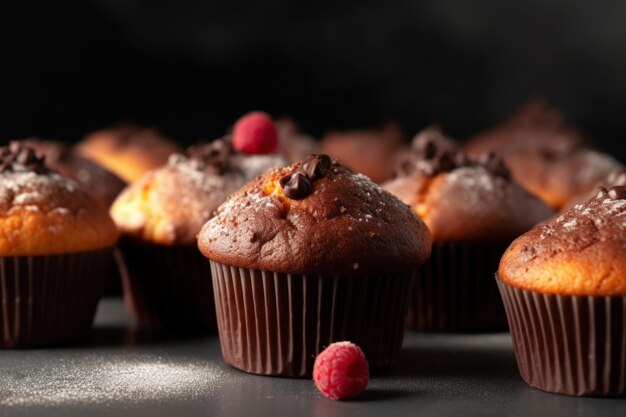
point(316, 217)
point(581, 252)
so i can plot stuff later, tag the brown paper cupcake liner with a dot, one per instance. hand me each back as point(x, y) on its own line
point(276, 324)
point(50, 300)
point(168, 288)
point(574, 345)
point(455, 290)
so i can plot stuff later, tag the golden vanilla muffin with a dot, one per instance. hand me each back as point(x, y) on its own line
point(473, 210)
point(311, 246)
point(546, 156)
point(128, 151)
point(54, 244)
point(168, 284)
point(564, 288)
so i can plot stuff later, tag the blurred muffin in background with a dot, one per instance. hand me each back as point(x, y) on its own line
point(371, 152)
point(55, 245)
point(617, 177)
point(424, 144)
point(294, 144)
point(129, 151)
point(473, 209)
point(544, 154)
point(100, 183)
point(167, 284)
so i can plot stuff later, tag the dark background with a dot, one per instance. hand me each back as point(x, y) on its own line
point(192, 67)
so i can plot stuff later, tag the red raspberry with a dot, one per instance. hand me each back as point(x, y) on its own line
point(255, 133)
point(341, 371)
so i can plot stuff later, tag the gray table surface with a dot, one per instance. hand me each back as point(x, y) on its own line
point(121, 371)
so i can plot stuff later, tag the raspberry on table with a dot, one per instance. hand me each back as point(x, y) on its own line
point(341, 371)
point(255, 133)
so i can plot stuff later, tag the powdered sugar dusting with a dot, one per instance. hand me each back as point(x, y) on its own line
point(254, 201)
point(31, 191)
point(570, 224)
point(605, 214)
point(473, 186)
point(132, 380)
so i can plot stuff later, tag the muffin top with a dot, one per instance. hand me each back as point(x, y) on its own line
point(97, 181)
point(555, 177)
point(545, 155)
point(43, 213)
point(169, 205)
point(128, 151)
point(581, 252)
point(462, 199)
point(316, 217)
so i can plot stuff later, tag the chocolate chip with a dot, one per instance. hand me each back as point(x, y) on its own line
point(617, 192)
point(496, 165)
point(252, 236)
point(427, 149)
point(405, 165)
point(296, 186)
point(316, 166)
point(602, 192)
point(215, 155)
point(18, 154)
point(25, 156)
point(444, 161)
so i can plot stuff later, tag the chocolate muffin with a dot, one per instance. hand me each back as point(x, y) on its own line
point(128, 151)
point(54, 244)
point(307, 255)
point(473, 210)
point(564, 289)
point(97, 181)
point(371, 152)
point(546, 156)
point(168, 282)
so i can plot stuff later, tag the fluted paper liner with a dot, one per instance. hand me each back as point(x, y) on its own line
point(169, 288)
point(573, 345)
point(50, 300)
point(276, 324)
point(455, 290)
